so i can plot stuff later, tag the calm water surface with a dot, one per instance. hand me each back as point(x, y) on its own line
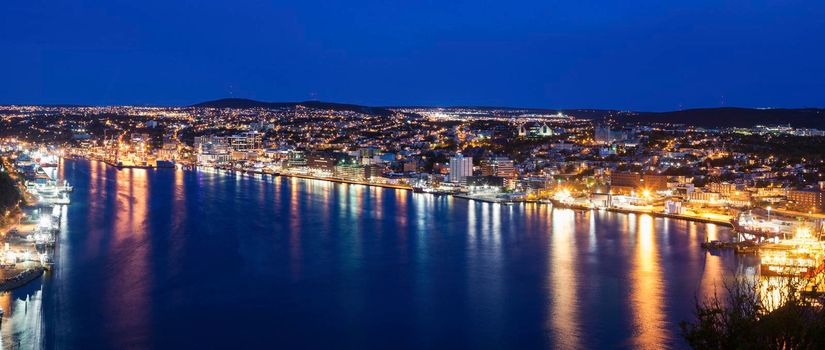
point(192, 259)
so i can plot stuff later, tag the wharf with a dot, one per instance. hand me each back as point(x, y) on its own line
point(705, 220)
point(129, 166)
point(487, 199)
point(351, 182)
point(26, 256)
point(330, 179)
point(556, 204)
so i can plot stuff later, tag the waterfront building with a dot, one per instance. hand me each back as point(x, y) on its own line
point(296, 159)
point(248, 141)
point(621, 182)
point(350, 172)
point(244, 155)
point(625, 182)
point(485, 181)
point(806, 200)
point(322, 163)
point(674, 207)
point(373, 171)
point(705, 197)
point(654, 182)
point(212, 150)
point(460, 168)
point(213, 158)
point(498, 166)
point(168, 149)
point(734, 194)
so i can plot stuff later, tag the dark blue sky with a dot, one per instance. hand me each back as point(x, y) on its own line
point(644, 55)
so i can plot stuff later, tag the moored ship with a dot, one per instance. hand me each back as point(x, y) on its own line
point(801, 256)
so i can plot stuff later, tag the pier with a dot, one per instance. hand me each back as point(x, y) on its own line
point(29, 243)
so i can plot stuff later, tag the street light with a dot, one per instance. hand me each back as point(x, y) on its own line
point(769, 213)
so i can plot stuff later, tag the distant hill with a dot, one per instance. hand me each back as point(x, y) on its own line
point(247, 103)
point(733, 117)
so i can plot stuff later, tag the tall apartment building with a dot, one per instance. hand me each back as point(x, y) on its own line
point(603, 135)
point(499, 166)
point(460, 168)
point(807, 200)
point(248, 141)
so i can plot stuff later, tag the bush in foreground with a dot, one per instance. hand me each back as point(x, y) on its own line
point(751, 315)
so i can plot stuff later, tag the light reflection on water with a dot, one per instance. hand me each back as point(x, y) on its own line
point(563, 280)
point(165, 258)
point(647, 289)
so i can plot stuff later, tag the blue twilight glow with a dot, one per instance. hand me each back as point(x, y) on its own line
point(649, 55)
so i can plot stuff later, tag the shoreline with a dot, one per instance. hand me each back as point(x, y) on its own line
point(651, 213)
point(309, 177)
point(342, 181)
point(674, 216)
point(306, 177)
point(461, 196)
point(503, 202)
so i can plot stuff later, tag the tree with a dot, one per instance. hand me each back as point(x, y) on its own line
point(753, 315)
point(9, 193)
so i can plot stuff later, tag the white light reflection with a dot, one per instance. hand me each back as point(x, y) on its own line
point(563, 281)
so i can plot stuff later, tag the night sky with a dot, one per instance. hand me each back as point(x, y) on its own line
point(643, 55)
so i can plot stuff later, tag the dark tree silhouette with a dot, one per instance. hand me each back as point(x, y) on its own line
point(750, 316)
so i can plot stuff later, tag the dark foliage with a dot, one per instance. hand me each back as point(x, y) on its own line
point(748, 316)
point(9, 193)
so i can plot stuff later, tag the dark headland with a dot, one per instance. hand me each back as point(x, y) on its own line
point(704, 117)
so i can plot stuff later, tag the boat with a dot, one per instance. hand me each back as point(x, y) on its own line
point(746, 250)
point(801, 256)
point(65, 187)
point(790, 265)
point(56, 199)
point(714, 244)
point(46, 261)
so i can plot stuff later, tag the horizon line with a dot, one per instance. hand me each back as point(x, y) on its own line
point(397, 106)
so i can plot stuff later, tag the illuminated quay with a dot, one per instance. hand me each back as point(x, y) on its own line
point(30, 229)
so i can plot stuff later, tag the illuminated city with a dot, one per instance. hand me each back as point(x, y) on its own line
point(770, 195)
point(448, 176)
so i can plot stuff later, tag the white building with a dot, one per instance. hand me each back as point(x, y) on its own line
point(534, 129)
point(248, 141)
point(460, 168)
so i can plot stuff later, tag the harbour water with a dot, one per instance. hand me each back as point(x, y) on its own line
point(194, 259)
